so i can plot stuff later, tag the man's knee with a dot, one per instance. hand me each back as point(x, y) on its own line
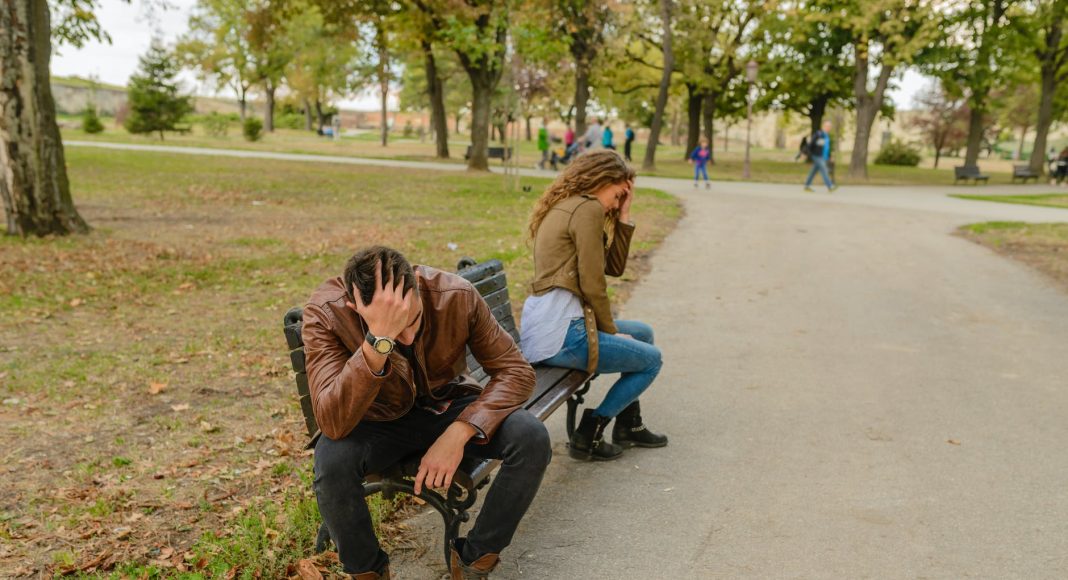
point(339, 462)
point(528, 437)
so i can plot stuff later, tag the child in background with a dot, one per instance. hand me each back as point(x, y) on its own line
point(700, 158)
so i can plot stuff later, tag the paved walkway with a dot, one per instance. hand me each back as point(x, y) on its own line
point(850, 391)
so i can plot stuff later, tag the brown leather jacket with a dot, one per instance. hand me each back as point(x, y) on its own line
point(344, 391)
point(575, 248)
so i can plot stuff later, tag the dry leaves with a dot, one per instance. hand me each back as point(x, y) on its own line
point(156, 388)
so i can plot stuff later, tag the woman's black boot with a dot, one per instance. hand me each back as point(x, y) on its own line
point(629, 431)
point(587, 442)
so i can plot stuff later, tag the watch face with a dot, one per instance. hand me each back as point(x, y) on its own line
point(384, 345)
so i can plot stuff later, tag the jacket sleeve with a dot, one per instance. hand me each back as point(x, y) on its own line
point(511, 377)
point(587, 230)
point(616, 256)
point(342, 385)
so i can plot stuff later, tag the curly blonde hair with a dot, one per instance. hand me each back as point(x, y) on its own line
point(588, 173)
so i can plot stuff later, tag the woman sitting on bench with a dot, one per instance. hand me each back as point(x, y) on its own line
point(581, 230)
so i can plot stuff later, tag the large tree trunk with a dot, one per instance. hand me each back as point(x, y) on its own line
point(33, 171)
point(582, 94)
point(527, 118)
point(694, 100)
point(816, 110)
point(320, 118)
point(308, 121)
point(867, 104)
point(242, 103)
point(649, 163)
point(675, 126)
point(436, 89)
point(1049, 89)
point(975, 137)
point(268, 112)
point(1019, 148)
point(481, 93)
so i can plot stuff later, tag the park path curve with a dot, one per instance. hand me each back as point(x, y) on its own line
point(851, 392)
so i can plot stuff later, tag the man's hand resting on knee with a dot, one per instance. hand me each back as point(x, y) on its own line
point(441, 460)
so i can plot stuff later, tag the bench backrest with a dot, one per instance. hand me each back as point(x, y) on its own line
point(487, 277)
point(966, 170)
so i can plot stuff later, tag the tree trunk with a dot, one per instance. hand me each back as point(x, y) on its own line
point(726, 137)
point(308, 121)
point(675, 126)
point(975, 138)
point(383, 77)
point(816, 110)
point(867, 104)
point(708, 112)
point(649, 163)
point(33, 170)
point(582, 94)
point(938, 155)
point(268, 112)
point(481, 93)
point(694, 100)
point(456, 124)
point(1023, 136)
point(529, 138)
point(320, 118)
point(1045, 101)
point(436, 88)
point(242, 104)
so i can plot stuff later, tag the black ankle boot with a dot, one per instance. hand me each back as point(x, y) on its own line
point(588, 444)
point(629, 431)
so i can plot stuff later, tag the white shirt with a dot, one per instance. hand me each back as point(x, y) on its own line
point(545, 322)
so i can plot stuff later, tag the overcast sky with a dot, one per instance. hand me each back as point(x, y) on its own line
point(131, 29)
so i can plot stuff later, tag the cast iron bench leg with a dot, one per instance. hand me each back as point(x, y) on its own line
point(573, 403)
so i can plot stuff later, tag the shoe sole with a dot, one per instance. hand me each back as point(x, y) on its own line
point(631, 444)
point(583, 456)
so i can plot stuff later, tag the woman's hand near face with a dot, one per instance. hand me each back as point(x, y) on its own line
point(625, 201)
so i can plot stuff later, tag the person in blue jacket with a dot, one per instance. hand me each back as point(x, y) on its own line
point(606, 138)
point(700, 158)
point(820, 153)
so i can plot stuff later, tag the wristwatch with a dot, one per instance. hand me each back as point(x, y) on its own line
point(381, 344)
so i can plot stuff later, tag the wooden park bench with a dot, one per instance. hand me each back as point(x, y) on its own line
point(502, 153)
point(1024, 172)
point(554, 387)
point(966, 172)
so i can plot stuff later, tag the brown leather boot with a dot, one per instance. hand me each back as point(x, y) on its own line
point(383, 575)
point(478, 570)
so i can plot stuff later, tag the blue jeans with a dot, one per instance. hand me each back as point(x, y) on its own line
point(700, 169)
point(819, 164)
point(636, 359)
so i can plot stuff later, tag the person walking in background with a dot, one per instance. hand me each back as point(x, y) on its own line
point(819, 149)
point(628, 139)
point(700, 158)
point(569, 141)
point(802, 150)
point(543, 143)
point(606, 138)
point(582, 232)
point(594, 137)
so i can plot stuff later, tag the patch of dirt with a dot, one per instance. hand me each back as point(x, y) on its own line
point(1044, 247)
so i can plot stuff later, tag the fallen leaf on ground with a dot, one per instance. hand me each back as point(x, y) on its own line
point(156, 388)
point(76, 302)
point(180, 408)
point(307, 570)
point(953, 442)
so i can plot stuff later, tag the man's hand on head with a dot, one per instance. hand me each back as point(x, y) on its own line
point(441, 460)
point(387, 314)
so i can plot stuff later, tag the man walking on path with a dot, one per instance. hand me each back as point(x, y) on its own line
point(543, 143)
point(628, 140)
point(594, 137)
point(820, 152)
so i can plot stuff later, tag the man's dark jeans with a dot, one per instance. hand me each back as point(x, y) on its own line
point(521, 442)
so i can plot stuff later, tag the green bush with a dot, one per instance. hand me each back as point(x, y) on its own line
point(91, 122)
point(215, 124)
point(290, 121)
point(898, 153)
point(253, 129)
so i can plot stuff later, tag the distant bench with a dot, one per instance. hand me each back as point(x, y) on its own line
point(1024, 172)
point(554, 386)
point(502, 153)
point(966, 172)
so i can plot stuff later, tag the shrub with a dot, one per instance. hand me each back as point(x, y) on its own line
point(216, 125)
point(898, 153)
point(253, 129)
point(91, 122)
point(290, 121)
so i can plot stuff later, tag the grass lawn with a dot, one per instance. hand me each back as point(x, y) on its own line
point(1046, 199)
point(768, 165)
point(150, 417)
point(1043, 246)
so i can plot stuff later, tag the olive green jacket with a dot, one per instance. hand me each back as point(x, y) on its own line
point(575, 247)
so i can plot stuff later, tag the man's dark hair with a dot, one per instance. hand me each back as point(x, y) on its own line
point(360, 271)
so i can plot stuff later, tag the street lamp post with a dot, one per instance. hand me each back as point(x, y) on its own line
point(750, 77)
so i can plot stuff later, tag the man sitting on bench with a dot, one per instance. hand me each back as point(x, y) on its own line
point(386, 358)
